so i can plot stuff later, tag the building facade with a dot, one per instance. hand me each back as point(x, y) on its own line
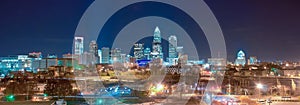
point(78, 45)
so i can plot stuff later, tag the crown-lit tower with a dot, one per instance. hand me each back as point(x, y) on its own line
point(156, 45)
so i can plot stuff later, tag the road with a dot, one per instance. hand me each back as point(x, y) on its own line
point(285, 103)
point(27, 103)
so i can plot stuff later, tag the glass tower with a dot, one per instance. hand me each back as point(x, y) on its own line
point(241, 59)
point(139, 51)
point(172, 47)
point(105, 55)
point(156, 45)
point(78, 45)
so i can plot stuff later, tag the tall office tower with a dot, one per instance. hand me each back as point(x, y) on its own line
point(94, 48)
point(241, 59)
point(123, 58)
point(156, 45)
point(78, 45)
point(172, 48)
point(100, 55)
point(115, 55)
point(147, 53)
point(179, 50)
point(105, 55)
point(94, 51)
point(138, 51)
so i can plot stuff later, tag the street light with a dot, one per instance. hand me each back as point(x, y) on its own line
point(259, 86)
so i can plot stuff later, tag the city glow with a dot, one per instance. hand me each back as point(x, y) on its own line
point(259, 86)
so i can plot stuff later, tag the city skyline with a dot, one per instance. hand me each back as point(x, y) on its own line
point(241, 32)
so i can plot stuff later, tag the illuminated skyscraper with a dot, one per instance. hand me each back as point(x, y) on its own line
point(147, 53)
point(138, 51)
point(172, 47)
point(156, 45)
point(252, 60)
point(241, 59)
point(94, 51)
point(100, 55)
point(94, 48)
point(105, 55)
point(78, 45)
point(115, 55)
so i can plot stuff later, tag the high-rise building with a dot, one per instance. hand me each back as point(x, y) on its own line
point(94, 50)
point(100, 55)
point(179, 50)
point(147, 53)
point(78, 45)
point(156, 45)
point(252, 60)
point(241, 59)
point(105, 55)
point(87, 59)
point(138, 51)
point(172, 49)
point(217, 63)
point(122, 58)
point(115, 55)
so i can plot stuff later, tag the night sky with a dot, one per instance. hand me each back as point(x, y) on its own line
point(268, 29)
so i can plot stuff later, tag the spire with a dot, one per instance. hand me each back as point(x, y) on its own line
point(157, 29)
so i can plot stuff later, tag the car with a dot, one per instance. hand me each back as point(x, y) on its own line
point(60, 102)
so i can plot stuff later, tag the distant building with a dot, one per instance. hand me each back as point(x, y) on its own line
point(241, 59)
point(123, 58)
point(78, 45)
point(138, 51)
point(173, 55)
point(147, 53)
point(217, 63)
point(100, 56)
point(35, 55)
point(183, 59)
point(179, 50)
point(156, 45)
point(87, 59)
point(94, 50)
point(115, 55)
point(252, 60)
point(105, 55)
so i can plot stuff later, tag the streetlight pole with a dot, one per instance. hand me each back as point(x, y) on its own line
point(259, 87)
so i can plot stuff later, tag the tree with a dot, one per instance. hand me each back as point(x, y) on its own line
point(59, 88)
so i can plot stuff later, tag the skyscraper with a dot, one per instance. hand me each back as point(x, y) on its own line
point(147, 53)
point(105, 55)
point(172, 46)
point(241, 59)
point(100, 55)
point(78, 45)
point(156, 45)
point(252, 60)
point(138, 51)
point(94, 48)
point(94, 51)
point(115, 55)
point(172, 49)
